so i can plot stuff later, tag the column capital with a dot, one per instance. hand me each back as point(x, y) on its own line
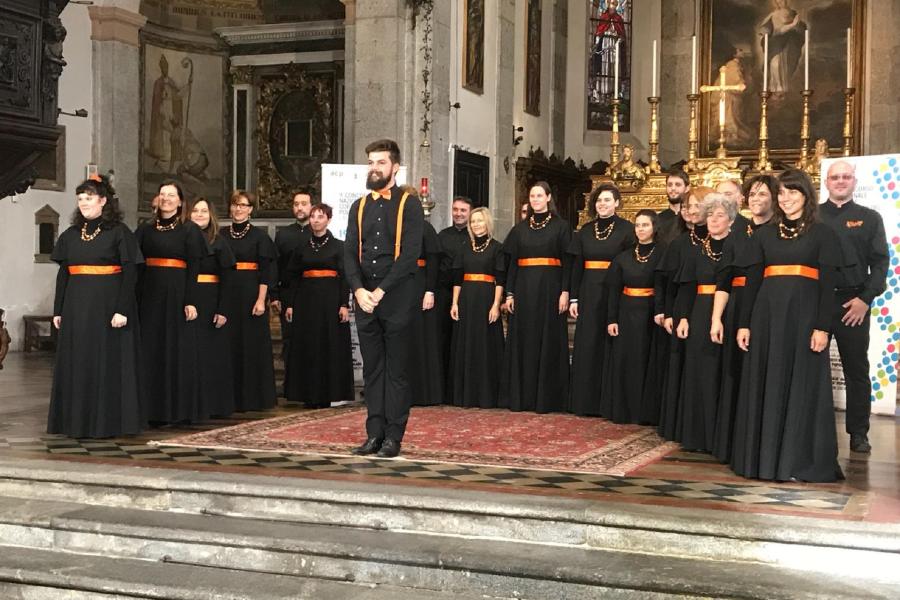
point(111, 23)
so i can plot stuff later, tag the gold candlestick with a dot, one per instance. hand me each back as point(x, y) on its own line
point(848, 120)
point(654, 167)
point(762, 162)
point(803, 163)
point(693, 137)
point(614, 138)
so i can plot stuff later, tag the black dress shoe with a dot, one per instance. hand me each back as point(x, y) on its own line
point(389, 449)
point(859, 442)
point(371, 446)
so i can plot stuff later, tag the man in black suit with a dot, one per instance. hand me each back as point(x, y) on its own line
point(384, 240)
point(677, 185)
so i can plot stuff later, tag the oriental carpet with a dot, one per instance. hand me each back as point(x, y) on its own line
point(472, 436)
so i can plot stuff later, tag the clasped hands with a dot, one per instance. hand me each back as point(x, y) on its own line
point(367, 300)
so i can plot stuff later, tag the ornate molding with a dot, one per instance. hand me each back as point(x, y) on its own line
point(114, 24)
point(281, 32)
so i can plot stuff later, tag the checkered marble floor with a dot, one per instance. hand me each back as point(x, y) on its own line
point(749, 493)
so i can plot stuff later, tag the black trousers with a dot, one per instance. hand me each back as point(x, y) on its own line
point(384, 342)
point(853, 346)
point(442, 301)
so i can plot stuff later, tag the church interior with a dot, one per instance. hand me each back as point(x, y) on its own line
point(484, 98)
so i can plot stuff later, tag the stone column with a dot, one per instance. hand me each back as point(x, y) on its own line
point(349, 78)
point(503, 167)
point(675, 80)
point(560, 43)
point(881, 109)
point(117, 99)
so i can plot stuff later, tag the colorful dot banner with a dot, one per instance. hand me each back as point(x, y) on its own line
point(878, 187)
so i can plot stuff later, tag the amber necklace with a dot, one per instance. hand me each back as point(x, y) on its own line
point(84, 234)
point(708, 251)
point(535, 225)
point(240, 235)
point(786, 232)
point(607, 231)
point(482, 247)
point(695, 240)
point(316, 247)
point(169, 227)
point(642, 259)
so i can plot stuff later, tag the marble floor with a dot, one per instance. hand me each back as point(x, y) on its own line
point(871, 491)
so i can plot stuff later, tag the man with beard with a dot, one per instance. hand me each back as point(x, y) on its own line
point(677, 185)
point(384, 240)
point(864, 243)
point(287, 240)
point(452, 240)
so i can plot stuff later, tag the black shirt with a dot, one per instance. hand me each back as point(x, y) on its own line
point(378, 267)
point(864, 243)
point(287, 241)
point(453, 241)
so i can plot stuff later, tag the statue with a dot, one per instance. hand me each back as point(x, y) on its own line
point(814, 165)
point(4, 339)
point(627, 168)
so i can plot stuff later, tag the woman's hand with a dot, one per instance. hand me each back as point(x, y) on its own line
point(510, 304)
point(190, 312)
point(563, 304)
point(219, 320)
point(493, 314)
point(119, 321)
point(669, 324)
point(683, 329)
point(428, 301)
point(716, 331)
point(344, 314)
point(259, 308)
point(818, 341)
point(743, 339)
point(289, 314)
point(454, 312)
point(57, 321)
point(659, 319)
point(573, 310)
point(613, 329)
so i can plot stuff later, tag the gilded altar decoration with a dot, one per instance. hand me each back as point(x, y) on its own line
point(627, 169)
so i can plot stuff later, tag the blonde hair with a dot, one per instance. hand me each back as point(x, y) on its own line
point(488, 220)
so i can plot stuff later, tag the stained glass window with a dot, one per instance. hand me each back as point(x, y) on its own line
point(610, 21)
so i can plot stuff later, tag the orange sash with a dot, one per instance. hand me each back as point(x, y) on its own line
point(247, 266)
point(421, 262)
point(314, 273)
point(596, 264)
point(94, 269)
point(739, 282)
point(171, 263)
point(539, 262)
point(795, 270)
point(638, 292)
point(706, 290)
point(205, 278)
point(479, 277)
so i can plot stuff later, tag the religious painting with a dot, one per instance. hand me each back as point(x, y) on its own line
point(184, 125)
point(734, 44)
point(473, 46)
point(533, 59)
point(609, 52)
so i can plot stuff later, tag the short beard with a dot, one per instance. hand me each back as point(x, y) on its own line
point(377, 184)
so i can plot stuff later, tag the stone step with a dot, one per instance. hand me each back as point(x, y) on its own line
point(454, 564)
point(815, 545)
point(33, 574)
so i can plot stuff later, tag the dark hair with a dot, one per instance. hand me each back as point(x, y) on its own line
point(238, 194)
point(465, 199)
point(178, 189)
point(680, 175)
point(385, 145)
point(110, 215)
point(770, 181)
point(551, 206)
point(322, 207)
point(795, 179)
point(212, 230)
point(654, 220)
point(304, 192)
point(595, 193)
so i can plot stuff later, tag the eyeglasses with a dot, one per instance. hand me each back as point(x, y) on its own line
point(242, 205)
point(840, 177)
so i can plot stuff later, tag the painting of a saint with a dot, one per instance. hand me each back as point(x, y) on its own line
point(473, 46)
point(533, 59)
point(786, 31)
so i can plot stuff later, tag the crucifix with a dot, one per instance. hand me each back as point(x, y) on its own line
point(722, 88)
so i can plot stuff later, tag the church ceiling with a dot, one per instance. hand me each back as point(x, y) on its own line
point(206, 15)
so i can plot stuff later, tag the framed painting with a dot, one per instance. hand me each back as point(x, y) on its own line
point(184, 120)
point(733, 38)
point(533, 59)
point(473, 46)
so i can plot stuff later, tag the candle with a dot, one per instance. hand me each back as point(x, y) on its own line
point(424, 186)
point(849, 61)
point(806, 62)
point(766, 63)
point(693, 64)
point(722, 112)
point(654, 69)
point(616, 78)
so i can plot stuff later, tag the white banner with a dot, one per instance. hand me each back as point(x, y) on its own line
point(342, 185)
point(877, 187)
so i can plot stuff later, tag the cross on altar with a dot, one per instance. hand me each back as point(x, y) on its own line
point(722, 88)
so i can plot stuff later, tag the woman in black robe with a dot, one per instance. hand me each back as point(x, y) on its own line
point(701, 377)
point(426, 371)
point(96, 391)
point(535, 373)
point(760, 192)
point(167, 297)
point(630, 392)
point(692, 235)
point(320, 360)
point(476, 351)
point(214, 387)
point(784, 420)
point(593, 248)
point(244, 305)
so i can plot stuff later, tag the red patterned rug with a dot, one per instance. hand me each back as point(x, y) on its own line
point(556, 442)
